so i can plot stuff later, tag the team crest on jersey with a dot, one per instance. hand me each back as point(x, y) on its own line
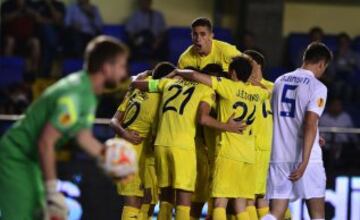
point(218, 79)
point(320, 102)
point(65, 119)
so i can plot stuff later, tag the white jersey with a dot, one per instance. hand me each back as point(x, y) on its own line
point(294, 94)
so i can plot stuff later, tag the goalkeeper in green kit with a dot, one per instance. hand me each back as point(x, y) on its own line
point(65, 110)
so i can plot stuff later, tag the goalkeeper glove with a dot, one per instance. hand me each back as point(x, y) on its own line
point(56, 208)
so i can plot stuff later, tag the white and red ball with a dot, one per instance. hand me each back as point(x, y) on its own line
point(120, 158)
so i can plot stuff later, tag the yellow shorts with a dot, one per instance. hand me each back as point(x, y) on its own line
point(233, 179)
point(202, 185)
point(135, 187)
point(176, 167)
point(150, 181)
point(262, 168)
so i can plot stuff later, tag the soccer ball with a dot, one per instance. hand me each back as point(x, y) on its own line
point(120, 158)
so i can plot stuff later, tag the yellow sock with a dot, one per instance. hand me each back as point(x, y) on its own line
point(165, 212)
point(287, 214)
point(243, 216)
point(182, 212)
point(262, 212)
point(145, 211)
point(219, 213)
point(252, 212)
point(130, 213)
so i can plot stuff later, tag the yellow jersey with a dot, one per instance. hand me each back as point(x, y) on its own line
point(210, 135)
point(263, 125)
point(140, 112)
point(178, 109)
point(244, 100)
point(221, 53)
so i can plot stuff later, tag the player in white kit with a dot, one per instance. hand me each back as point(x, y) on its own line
point(296, 168)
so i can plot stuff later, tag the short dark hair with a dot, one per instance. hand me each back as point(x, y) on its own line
point(162, 69)
point(213, 69)
point(316, 52)
point(100, 50)
point(242, 67)
point(202, 21)
point(257, 56)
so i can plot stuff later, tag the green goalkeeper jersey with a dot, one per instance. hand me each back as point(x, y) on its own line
point(68, 105)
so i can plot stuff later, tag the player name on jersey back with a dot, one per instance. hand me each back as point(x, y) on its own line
point(294, 94)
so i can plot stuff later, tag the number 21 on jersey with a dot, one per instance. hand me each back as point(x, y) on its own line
point(178, 90)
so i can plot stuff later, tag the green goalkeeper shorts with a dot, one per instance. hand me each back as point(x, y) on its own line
point(21, 188)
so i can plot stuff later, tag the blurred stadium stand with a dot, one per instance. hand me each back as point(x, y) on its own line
point(297, 43)
point(178, 40)
point(12, 70)
point(117, 31)
point(223, 34)
point(274, 72)
point(356, 44)
point(72, 65)
point(136, 67)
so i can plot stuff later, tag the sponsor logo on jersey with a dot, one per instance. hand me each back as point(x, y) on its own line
point(320, 102)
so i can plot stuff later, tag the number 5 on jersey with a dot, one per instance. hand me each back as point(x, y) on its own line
point(289, 110)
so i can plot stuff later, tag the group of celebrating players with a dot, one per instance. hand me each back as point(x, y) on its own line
point(203, 132)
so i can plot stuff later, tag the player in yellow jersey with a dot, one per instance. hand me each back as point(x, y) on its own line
point(135, 121)
point(263, 136)
point(205, 150)
point(202, 184)
point(204, 49)
point(175, 142)
point(236, 152)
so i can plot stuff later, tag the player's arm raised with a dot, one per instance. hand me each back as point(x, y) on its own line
point(142, 76)
point(194, 76)
point(258, 83)
point(152, 85)
point(205, 119)
point(142, 85)
point(309, 129)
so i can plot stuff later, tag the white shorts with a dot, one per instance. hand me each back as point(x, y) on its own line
point(311, 185)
